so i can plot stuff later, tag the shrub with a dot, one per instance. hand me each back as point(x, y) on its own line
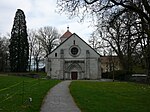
point(118, 75)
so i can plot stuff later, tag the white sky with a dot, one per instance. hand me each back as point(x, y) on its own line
point(40, 13)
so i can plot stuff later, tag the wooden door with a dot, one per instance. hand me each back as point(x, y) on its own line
point(74, 75)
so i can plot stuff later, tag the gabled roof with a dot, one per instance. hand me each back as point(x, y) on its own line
point(67, 39)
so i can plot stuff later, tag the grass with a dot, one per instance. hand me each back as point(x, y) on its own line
point(111, 96)
point(16, 91)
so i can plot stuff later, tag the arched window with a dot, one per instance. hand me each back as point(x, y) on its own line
point(55, 54)
point(74, 42)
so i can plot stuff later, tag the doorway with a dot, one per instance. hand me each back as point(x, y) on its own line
point(74, 75)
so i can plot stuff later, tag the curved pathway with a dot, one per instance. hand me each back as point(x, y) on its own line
point(59, 99)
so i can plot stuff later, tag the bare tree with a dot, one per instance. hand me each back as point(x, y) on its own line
point(41, 43)
point(122, 36)
point(32, 42)
point(96, 42)
point(143, 48)
point(48, 36)
point(38, 54)
point(4, 54)
point(74, 7)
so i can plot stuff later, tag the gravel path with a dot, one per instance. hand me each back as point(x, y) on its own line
point(59, 99)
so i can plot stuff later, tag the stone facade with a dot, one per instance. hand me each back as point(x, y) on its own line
point(73, 59)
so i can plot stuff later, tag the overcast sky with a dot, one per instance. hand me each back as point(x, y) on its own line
point(40, 13)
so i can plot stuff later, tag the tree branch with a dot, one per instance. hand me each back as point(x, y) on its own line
point(146, 5)
point(90, 2)
point(133, 8)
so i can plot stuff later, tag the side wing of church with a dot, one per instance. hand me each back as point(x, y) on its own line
point(73, 59)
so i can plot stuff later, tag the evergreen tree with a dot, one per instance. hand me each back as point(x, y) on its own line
point(19, 46)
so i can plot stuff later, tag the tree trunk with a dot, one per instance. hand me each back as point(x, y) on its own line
point(37, 65)
point(148, 60)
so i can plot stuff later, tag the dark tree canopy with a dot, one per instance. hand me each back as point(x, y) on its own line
point(106, 8)
point(111, 10)
point(19, 47)
point(142, 7)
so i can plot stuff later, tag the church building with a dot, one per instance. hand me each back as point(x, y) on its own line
point(73, 59)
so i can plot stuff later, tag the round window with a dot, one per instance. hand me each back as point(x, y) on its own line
point(74, 51)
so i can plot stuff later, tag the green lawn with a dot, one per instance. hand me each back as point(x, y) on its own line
point(16, 91)
point(111, 96)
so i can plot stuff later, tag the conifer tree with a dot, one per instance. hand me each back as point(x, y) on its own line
point(19, 46)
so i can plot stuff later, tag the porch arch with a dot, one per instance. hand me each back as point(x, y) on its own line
point(74, 71)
